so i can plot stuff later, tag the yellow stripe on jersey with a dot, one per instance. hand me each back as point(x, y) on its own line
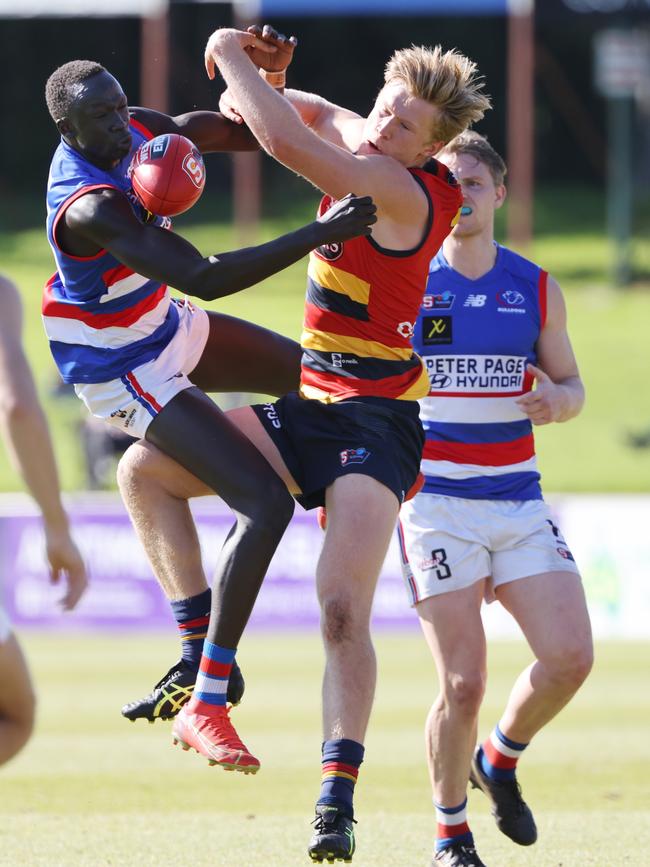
point(324, 342)
point(310, 392)
point(420, 387)
point(338, 281)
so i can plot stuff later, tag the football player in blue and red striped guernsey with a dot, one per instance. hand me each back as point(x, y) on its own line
point(490, 325)
point(143, 361)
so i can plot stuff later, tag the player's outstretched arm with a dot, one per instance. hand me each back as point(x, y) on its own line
point(28, 442)
point(210, 131)
point(559, 394)
point(107, 220)
point(282, 133)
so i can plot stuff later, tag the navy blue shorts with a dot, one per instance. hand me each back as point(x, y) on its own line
point(320, 442)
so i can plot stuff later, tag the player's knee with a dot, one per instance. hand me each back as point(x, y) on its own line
point(570, 665)
point(131, 469)
point(464, 692)
point(338, 624)
point(273, 510)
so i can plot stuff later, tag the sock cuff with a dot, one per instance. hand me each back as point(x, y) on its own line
point(506, 741)
point(343, 750)
point(450, 810)
point(192, 607)
point(216, 653)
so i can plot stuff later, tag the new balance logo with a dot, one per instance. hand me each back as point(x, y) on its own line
point(475, 301)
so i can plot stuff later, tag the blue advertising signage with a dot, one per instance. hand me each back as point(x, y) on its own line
point(377, 8)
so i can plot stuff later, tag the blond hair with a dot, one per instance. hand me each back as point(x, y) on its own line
point(446, 79)
point(477, 146)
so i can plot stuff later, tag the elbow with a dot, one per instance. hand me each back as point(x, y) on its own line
point(207, 287)
point(277, 146)
point(202, 282)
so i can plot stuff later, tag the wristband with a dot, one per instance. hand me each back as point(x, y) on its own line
point(277, 80)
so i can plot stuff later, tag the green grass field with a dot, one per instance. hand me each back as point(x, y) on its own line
point(608, 327)
point(92, 789)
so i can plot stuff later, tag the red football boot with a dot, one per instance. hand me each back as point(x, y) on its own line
point(213, 736)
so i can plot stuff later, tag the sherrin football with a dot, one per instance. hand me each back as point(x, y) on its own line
point(167, 174)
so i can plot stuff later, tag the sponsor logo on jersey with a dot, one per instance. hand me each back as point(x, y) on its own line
point(405, 329)
point(439, 381)
point(354, 456)
point(475, 301)
point(510, 301)
point(436, 330)
point(467, 374)
point(330, 252)
point(438, 301)
point(338, 359)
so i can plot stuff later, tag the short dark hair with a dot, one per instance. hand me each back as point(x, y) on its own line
point(58, 88)
point(477, 146)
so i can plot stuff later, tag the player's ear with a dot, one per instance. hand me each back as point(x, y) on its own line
point(64, 126)
point(500, 195)
point(434, 148)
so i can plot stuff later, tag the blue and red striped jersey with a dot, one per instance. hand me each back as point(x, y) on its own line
point(101, 318)
point(476, 337)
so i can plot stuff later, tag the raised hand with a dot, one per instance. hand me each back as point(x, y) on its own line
point(285, 46)
point(255, 47)
point(349, 217)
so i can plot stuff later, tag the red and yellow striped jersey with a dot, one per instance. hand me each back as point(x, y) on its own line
point(362, 303)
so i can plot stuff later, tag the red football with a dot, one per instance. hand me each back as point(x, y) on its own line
point(167, 174)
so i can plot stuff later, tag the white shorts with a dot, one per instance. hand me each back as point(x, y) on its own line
point(131, 402)
point(449, 543)
point(5, 626)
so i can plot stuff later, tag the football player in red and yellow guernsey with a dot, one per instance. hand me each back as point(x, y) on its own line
point(350, 438)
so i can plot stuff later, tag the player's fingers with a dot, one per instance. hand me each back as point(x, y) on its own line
point(76, 589)
point(255, 29)
point(527, 404)
point(262, 44)
point(537, 372)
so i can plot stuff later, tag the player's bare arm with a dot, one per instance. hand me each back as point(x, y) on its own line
point(210, 131)
point(559, 394)
point(402, 207)
point(105, 219)
point(29, 445)
point(334, 124)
